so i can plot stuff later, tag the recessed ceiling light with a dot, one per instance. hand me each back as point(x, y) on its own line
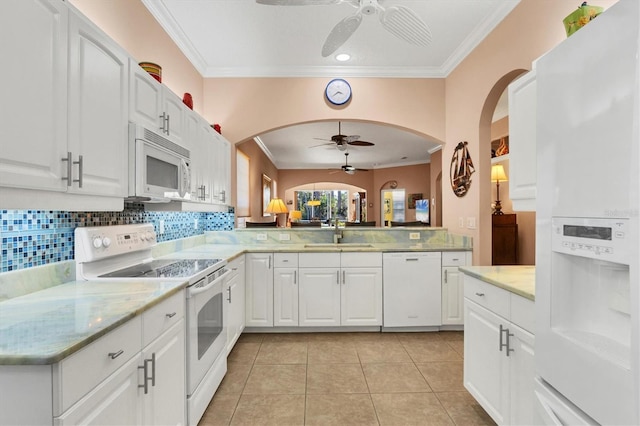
point(342, 57)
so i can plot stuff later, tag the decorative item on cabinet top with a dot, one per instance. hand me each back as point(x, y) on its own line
point(154, 70)
point(581, 17)
point(461, 170)
point(187, 99)
point(217, 128)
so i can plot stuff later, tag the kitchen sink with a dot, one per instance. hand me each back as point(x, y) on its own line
point(338, 245)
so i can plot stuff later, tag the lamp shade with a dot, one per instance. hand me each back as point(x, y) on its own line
point(314, 203)
point(276, 206)
point(497, 173)
point(295, 214)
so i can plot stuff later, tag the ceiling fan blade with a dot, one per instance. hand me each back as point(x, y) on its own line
point(296, 2)
point(406, 25)
point(361, 143)
point(341, 33)
point(322, 144)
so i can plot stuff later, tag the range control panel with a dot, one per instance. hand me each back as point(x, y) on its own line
point(100, 242)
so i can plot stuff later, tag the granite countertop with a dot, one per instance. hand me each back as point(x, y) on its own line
point(520, 280)
point(48, 325)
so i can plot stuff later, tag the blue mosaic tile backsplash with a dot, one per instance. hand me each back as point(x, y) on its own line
point(37, 237)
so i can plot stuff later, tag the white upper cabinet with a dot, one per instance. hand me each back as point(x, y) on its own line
point(522, 142)
point(154, 106)
point(98, 106)
point(33, 136)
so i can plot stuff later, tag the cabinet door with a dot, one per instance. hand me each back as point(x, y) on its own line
point(98, 110)
point(112, 402)
point(361, 296)
point(145, 95)
point(259, 290)
point(452, 296)
point(164, 401)
point(33, 136)
point(285, 297)
point(222, 169)
point(175, 111)
point(203, 164)
point(521, 376)
point(319, 296)
point(486, 368)
point(522, 142)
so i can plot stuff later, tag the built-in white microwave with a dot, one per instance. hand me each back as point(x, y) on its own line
point(159, 169)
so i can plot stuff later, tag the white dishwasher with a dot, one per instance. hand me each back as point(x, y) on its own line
point(412, 291)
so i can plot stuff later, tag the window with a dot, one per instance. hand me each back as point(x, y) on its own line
point(333, 204)
point(242, 185)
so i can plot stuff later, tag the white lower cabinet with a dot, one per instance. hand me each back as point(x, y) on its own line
point(106, 382)
point(235, 298)
point(345, 291)
point(499, 353)
point(285, 289)
point(453, 287)
point(259, 289)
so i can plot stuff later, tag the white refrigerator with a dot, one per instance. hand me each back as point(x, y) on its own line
point(587, 208)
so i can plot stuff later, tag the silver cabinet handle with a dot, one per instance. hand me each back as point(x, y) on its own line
point(222, 196)
point(162, 122)
point(445, 276)
point(146, 377)
point(69, 165)
point(269, 262)
point(229, 298)
point(338, 277)
point(455, 260)
point(295, 277)
point(411, 259)
point(80, 164)
point(479, 294)
point(114, 355)
point(506, 340)
point(168, 124)
point(344, 278)
point(171, 315)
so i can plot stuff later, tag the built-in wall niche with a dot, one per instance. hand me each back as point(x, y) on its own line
point(500, 147)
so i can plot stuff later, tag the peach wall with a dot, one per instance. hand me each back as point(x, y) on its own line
point(472, 91)
point(246, 107)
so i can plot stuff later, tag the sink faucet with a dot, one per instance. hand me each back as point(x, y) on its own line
point(337, 234)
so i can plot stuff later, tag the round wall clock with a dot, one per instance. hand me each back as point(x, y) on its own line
point(338, 91)
point(461, 170)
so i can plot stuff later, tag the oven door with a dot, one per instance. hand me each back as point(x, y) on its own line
point(206, 328)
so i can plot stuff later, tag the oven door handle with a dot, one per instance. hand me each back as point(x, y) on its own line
point(193, 290)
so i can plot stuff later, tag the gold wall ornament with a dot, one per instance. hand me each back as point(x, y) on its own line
point(461, 170)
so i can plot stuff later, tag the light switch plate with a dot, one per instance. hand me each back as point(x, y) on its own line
point(414, 235)
point(284, 237)
point(161, 227)
point(471, 222)
point(261, 237)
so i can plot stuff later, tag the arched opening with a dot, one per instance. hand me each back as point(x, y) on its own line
point(491, 134)
point(327, 201)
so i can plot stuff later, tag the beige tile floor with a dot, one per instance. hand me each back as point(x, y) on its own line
point(345, 379)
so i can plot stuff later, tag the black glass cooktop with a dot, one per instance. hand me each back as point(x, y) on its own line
point(182, 268)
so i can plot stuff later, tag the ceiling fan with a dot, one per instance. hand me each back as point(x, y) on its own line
point(341, 141)
point(347, 168)
point(398, 20)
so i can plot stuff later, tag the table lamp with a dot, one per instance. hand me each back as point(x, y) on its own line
point(498, 175)
point(295, 215)
point(276, 206)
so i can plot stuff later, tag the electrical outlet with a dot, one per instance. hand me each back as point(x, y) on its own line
point(284, 237)
point(161, 227)
point(195, 224)
point(461, 222)
point(261, 237)
point(414, 235)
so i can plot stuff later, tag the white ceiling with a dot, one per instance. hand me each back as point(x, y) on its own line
point(240, 38)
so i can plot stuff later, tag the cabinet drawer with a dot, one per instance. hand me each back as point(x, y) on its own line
point(522, 312)
point(162, 316)
point(361, 260)
point(317, 260)
point(76, 375)
point(285, 260)
point(454, 258)
point(489, 296)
